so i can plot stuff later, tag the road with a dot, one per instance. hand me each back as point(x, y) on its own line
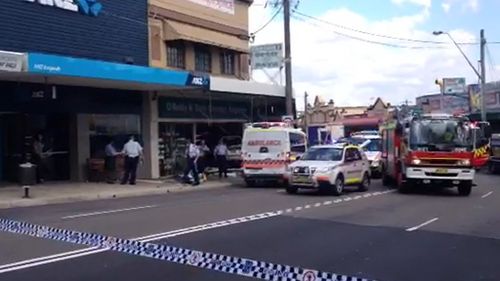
point(379, 234)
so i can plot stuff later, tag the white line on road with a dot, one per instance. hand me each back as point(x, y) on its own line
point(307, 206)
point(154, 237)
point(317, 205)
point(298, 208)
point(337, 201)
point(487, 194)
point(421, 225)
point(357, 197)
point(327, 203)
point(108, 212)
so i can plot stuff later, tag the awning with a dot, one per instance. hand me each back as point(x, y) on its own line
point(180, 31)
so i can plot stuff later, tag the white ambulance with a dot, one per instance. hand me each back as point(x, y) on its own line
point(267, 149)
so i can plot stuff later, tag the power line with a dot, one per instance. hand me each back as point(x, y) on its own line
point(491, 62)
point(371, 41)
point(383, 35)
point(268, 22)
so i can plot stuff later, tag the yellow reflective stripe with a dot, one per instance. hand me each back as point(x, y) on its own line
point(352, 181)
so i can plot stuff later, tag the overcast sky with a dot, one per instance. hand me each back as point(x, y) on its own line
point(352, 72)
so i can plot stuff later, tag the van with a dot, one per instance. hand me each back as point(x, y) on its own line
point(267, 149)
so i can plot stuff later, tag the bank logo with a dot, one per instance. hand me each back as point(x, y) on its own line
point(89, 7)
point(85, 7)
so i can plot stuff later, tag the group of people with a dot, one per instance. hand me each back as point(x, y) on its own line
point(133, 153)
point(197, 160)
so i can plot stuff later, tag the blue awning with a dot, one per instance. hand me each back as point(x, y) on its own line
point(109, 73)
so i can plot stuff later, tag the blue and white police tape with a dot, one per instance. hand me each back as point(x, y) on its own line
point(211, 261)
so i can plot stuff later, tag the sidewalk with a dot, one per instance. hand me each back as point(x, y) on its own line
point(52, 193)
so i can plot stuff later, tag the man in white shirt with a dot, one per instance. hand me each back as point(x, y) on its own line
point(133, 153)
point(110, 161)
point(192, 155)
point(220, 153)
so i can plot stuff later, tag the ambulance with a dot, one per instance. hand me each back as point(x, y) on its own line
point(267, 150)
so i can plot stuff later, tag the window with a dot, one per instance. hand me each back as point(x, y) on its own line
point(297, 142)
point(352, 154)
point(176, 55)
point(227, 62)
point(202, 60)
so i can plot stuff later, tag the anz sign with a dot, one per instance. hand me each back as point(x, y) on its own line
point(85, 7)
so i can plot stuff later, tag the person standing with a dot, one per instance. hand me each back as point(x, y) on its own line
point(203, 160)
point(192, 156)
point(110, 162)
point(38, 147)
point(220, 153)
point(133, 153)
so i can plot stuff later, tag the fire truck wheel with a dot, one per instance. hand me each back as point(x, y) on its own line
point(465, 188)
point(338, 188)
point(365, 183)
point(291, 189)
point(250, 183)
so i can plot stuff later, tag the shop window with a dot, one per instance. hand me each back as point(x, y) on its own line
point(202, 59)
point(118, 127)
point(176, 55)
point(227, 62)
point(297, 142)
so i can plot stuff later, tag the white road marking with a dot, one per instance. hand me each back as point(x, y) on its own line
point(298, 208)
point(421, 225)
point(108, 212)
point(487, 194)
point(148, 238)
point(357, 197)
point(367, 195)
point(317, 205)
point(337, 201)
point(307, 206)
point(376, 193)
point(347, 199)
point(289, 210)
point(327, 203)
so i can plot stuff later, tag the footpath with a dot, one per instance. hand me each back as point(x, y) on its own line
point(66, 192)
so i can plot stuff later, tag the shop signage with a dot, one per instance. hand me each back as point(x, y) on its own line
point(198, 81)
point(86, 7)
point(182, 108)
point(267, 56)
point(454, 86)
point(11, 62)
point(225, 6)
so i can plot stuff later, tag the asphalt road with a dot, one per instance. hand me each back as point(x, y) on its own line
point(379, 234)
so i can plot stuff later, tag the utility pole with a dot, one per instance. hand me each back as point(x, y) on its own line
point(306, 122)
point(288, 60)
point(483, 77)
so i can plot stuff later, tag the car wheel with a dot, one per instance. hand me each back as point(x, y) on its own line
point(365, 183)
point(291, 189)
point(250, 183)
point(465, 188)
point(338, 188)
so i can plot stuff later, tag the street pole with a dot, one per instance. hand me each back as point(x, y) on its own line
point(288, 60)
point(483, 77)
point(306, 122)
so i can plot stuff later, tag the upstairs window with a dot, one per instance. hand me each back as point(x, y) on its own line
point(227, 62)
point(202, 60)
point(176, 55)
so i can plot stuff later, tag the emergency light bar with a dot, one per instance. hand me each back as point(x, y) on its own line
point(267, 125)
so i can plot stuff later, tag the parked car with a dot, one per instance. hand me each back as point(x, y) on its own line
point(233, 144)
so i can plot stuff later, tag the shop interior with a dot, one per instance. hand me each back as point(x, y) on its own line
point(17, 135)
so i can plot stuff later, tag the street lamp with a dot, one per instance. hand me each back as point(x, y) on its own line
point(482, 78)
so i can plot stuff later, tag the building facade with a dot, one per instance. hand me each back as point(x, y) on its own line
point(163, 71)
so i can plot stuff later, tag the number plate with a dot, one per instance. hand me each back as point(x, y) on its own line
point(301, 179)
point(441, 171)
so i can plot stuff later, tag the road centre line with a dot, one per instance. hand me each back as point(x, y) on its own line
point(421, 225)
point(487, 194)
point(108, 212)
point(154, 237)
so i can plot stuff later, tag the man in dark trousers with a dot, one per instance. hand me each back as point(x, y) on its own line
point(110, 161)
point(220, 153)
point(192, 155)
point(133, 153)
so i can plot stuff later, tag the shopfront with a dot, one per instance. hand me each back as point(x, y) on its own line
point(211, 114)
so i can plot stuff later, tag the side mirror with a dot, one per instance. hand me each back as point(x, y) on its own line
point(298, 157)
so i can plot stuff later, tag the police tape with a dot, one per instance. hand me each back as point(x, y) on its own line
point(222, 263)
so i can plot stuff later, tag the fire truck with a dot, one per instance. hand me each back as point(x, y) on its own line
point(429, 149)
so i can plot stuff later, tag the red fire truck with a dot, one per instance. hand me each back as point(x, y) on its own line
point(429, 149)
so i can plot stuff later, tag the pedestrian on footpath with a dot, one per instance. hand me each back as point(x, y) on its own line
point(110, 161)
point(220, 153)
point(203, 159)
point(192, 156)
point(133, 153)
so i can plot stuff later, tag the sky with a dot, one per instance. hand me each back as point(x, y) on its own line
point(329, 63)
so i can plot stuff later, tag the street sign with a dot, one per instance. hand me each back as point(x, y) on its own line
point(267, 56)
point(11, 62)
point(454, 86)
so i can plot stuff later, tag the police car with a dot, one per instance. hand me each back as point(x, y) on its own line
point(330, 168)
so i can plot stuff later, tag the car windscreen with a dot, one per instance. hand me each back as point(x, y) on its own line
point(323, 154)
point(373, 145)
